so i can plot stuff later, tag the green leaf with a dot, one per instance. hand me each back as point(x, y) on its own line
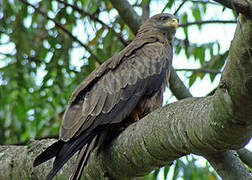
point(155, 174)
point(178, 49)
point(94, 40)
point(204, 7)
point(108, 42)
point(101, 55)
point(192, 79)
point(201, 54)
point(168, 5)
point(184, 19)
point(176, 170)
point(166, 171)
point(197, 15)
point(144, 2)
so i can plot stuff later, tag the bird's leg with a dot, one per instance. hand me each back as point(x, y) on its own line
point(135, 117)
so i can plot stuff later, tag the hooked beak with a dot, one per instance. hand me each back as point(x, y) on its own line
point(172, 23)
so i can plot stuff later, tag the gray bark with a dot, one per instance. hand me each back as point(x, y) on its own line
point(229, 166)
point(245, 156)
point(242, 6)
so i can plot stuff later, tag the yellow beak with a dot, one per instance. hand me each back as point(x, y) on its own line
point(172, 23)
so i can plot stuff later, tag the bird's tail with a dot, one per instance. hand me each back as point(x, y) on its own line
point(63, 151)
point(49, 153)
point(83, 158)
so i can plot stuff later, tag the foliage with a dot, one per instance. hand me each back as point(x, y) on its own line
point(186, 169)
point(48, 47)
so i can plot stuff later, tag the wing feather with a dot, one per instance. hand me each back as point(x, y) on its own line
point(100, 104)
point(94, 97)
point(75, 113)
point(110, 102)
point(86, 104)
point(116, 92)
point(133, 76)
point(110, 64)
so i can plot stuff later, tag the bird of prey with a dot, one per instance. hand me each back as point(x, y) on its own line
point(126, 87)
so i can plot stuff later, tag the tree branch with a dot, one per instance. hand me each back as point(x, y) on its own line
point(144, 145)
point(207, 22)
point(16, 162)
point(63, 29)
point(241, 6)
point(204, 70)
point(203, 2)
point(145, 10)
point(224, 119)
point(128, 14)
point(93, 17)
point(246, 156)
point(180, 6)
point(177, 86)
point(228, 165)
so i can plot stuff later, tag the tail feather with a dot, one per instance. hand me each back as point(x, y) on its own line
point(67, 151)
point(83, 158)
point(49, 153)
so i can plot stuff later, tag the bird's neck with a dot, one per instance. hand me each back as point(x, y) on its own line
point(150, 34)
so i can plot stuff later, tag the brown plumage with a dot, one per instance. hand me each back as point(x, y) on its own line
point(127, 86)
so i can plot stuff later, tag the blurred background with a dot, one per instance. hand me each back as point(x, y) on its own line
point(48, 47)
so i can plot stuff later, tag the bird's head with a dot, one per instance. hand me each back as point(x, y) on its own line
point(165, 23)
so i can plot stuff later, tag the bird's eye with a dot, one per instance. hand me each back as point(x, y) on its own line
point(174, 20)
point(162, 18)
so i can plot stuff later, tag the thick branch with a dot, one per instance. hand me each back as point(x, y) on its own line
point(215, 125)
point(167, 134)
point(228, 165)
point(16, 162)
point(241, 6)
point(177, 86)
point(127, 13)
point(246, 156)
point(158, 139)
point(236, 81)
point(145, 10)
